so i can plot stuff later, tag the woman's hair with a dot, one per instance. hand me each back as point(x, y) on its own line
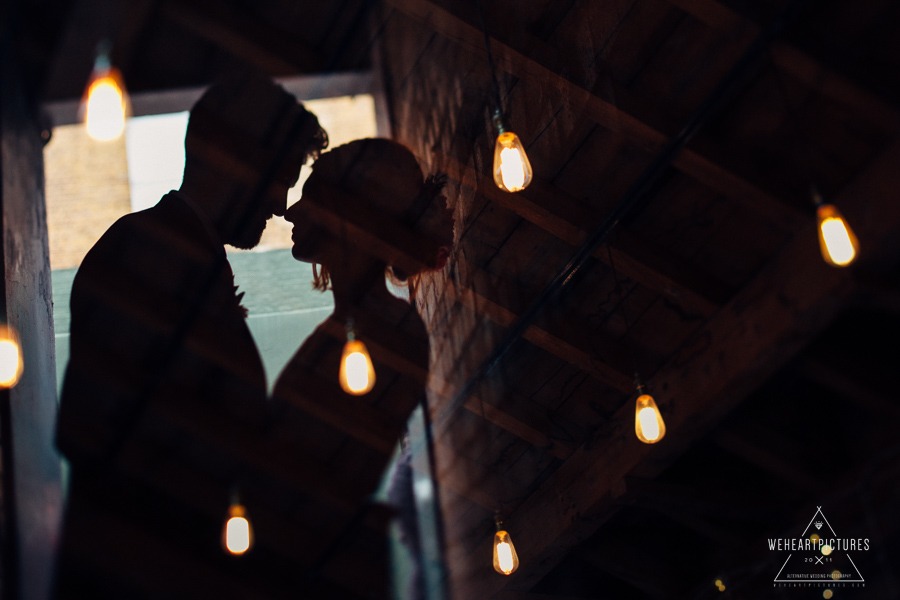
point(387, 176)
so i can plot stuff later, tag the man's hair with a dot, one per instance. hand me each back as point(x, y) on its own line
point(244, 122)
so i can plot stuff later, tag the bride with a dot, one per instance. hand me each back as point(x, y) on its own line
point(366, 213)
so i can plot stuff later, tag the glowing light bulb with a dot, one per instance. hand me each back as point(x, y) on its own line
point(506, 561)
point(648, 422)
point(512, 170)
point(11, 365)
point(237, 536)
point(105, 103)
point(357, 374)
point(838, 243)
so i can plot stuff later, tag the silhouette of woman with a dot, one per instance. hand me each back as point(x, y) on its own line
point(365, 208)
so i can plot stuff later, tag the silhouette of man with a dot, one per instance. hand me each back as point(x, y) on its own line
point(153, 306)
point(159, 345)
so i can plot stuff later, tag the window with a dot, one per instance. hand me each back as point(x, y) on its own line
point(90, 184)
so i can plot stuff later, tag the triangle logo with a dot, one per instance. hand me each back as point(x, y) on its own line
point(818, 555)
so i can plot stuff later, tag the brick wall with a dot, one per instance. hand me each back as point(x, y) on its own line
point(86, 190)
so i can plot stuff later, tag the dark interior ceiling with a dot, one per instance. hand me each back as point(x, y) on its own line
point(774, 372)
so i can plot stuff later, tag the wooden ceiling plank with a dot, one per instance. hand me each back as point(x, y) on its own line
point(272, 52)
point(200, 492)
point(796, 63)
point(643, 577)
point(112, 544)
point(833, 379)
point(533, 433)
point(133, 25)
point(565, 349)
point(263, 453)
point(352, 415)
point(707, 501)
point(513, 595)
point(790, 300)
point(559, 214)
point(470, 479)
point(602, 112)
point(514, 416)
point(752, 452)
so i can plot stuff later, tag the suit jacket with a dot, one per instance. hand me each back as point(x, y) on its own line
point(158, 336)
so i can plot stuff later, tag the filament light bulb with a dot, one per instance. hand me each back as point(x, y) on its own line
point(357, 373)
point(11, 365)
point(237, 536)
point(506, 561)
point(512, 170)
point(648, 422)
point(836, 240)
point(105, 104)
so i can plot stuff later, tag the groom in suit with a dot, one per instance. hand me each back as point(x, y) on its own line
point(159, 344)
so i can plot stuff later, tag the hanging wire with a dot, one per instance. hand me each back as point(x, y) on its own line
point(490, 58)
point(487, 436)
point(796, 126)
point(631, 355)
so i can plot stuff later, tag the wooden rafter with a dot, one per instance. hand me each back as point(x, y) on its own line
point(569, 350)
point(648, 580)
point(559, 214)
point(833, 379)
point(271, 52)
point(789, 301)
point(511, 595)
point(751, 451)
point(795, 62)
point(602, 112)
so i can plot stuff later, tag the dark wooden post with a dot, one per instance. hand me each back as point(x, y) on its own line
point(31, 493)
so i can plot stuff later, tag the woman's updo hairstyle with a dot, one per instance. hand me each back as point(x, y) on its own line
point(386, 176)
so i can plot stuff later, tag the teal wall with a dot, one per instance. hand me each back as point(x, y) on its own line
point(283, 307)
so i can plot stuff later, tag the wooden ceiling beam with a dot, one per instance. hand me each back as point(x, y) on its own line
point(534, 71)
point(562, 216)
point(833, 379)
point(129, 35)
point(516, 416)
point(689, 499)
point(755, 453)
point(472, 480)
point(108, 544)
point(262, 453)
point(512, 595)
point(796, 63)
point(270, 50)
point(289, 538)
point(641, 576)
point(698, 524)
point(73, 59)
point(569, 350)
point(787, 303)
point(525, 424)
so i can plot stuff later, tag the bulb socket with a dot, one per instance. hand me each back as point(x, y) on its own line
point(499, 123)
